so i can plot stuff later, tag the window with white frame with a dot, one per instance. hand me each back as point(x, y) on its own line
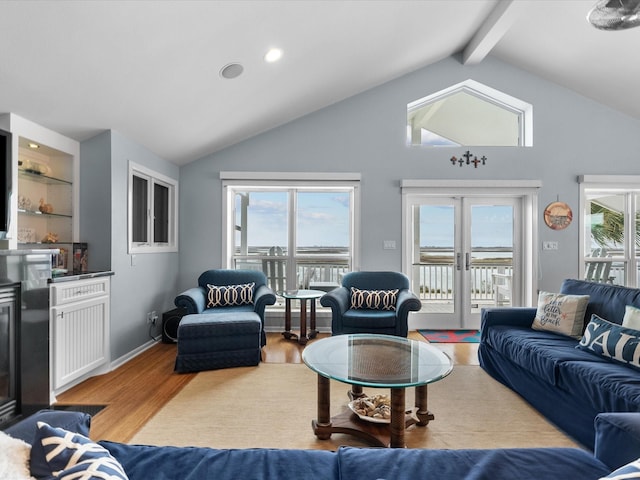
point(153, 207)
point(610, 231)
point(301, 234)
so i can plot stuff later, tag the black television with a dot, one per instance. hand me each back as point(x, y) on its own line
point(5, 182)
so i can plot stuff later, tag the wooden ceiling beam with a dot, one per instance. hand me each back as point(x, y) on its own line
point(499, 21)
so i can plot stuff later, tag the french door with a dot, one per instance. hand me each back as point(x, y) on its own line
point(466, 252)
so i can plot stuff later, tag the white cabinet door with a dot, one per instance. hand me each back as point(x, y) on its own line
point(79, 329)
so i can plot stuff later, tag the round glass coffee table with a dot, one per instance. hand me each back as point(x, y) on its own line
point(379, 361)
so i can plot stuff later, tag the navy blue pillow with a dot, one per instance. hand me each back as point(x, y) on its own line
point(612, 341)
point(71, 456)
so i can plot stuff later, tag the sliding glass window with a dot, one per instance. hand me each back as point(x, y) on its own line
point(300, 236)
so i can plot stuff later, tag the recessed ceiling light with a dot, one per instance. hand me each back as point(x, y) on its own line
point(231, 70)
point(273, 55)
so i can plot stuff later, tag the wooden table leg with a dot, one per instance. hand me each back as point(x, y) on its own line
point(302, 339)
point(422, 412)
point(397, 418)
point(355, 392)
point(312, 330)
point(287, 319)
point(322, 426)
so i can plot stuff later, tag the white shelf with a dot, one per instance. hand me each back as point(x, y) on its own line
point(37, 177)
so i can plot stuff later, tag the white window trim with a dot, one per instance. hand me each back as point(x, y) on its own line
point(615, 184)
point(172, 184)
point(523, 109)
point(234, 180)
point(526, 189)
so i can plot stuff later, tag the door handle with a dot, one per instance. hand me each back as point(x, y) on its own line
point(467, 261)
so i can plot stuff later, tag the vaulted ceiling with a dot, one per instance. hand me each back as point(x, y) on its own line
point(151, 69)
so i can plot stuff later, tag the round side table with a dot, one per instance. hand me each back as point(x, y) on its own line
point(302, 296)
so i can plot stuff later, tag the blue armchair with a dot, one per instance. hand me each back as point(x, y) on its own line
point(194, 300)
point(345, 319)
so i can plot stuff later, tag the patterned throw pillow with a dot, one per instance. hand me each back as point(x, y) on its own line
point(374, 299)
point(229, 295)
point(560, 313)
point(631, 317)
point(630, 470)
point(611, 341)
point(72, 456)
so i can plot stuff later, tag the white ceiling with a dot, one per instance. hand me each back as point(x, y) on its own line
point(150, 69)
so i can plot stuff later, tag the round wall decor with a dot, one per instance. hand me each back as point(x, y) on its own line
point(558, 215)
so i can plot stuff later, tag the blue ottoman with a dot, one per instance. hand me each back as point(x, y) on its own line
point(218, 340)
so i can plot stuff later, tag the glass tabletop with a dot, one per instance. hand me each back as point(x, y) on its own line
point(301, 294)
point(381, 361)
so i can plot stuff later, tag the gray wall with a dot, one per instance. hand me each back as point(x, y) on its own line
point(366, 133)
point(95, 195)
point(151, 283)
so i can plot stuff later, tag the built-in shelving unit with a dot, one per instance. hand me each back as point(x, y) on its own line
point(45, 209)
point(45, 188)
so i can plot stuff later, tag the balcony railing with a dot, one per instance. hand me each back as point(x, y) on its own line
point(434, 277)
point(437, 281)
point(318, 268)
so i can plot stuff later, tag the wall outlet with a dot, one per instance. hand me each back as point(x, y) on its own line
point(149, 318)
point(154, 317)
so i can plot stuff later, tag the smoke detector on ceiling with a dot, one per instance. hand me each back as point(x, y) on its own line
point(231, 70)
point(615, 14)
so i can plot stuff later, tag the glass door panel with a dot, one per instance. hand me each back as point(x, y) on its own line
point(463, 249)
point(491, 262)
point(435, 260)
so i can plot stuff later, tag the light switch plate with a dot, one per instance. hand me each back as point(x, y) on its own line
point(389, 244)
point(550, 245)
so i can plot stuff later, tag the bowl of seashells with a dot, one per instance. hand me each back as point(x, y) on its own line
point(375, 409)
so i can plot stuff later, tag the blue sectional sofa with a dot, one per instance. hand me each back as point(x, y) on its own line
point(617, 444)
point(568, 385)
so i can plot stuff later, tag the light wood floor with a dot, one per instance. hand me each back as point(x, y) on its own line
point(135, 391)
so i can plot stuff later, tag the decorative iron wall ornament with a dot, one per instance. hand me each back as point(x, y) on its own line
point(466, 159)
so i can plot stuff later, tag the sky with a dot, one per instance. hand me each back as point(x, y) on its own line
point(491, 226)
point(323, 221)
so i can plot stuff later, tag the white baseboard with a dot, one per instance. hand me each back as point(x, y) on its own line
point(132, 354)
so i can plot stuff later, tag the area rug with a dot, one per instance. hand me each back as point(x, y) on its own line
point(451, 336)
point(272, 406)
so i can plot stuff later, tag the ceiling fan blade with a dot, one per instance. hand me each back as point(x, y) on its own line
point(615, 14)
